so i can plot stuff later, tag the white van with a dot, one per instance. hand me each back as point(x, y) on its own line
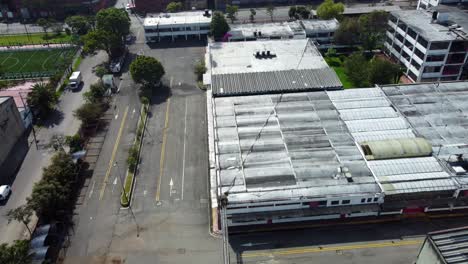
point(5, 191)
point(75, 80)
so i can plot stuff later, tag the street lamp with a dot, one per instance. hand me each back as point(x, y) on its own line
point(129, 204)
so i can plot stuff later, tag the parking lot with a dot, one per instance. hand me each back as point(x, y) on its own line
point(171, 193)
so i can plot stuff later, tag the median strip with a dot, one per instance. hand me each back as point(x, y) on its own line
point(134, 158)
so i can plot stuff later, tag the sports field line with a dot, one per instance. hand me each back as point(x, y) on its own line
point(6, 58)
point(24, 64)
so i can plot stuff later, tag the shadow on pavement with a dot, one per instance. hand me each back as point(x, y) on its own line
point(55, 117)
point(160, 95)
point(322, 236)
point(179, 43)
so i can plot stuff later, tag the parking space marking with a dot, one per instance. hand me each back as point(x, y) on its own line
point(114, 152)
point(163, 149)
point(183, 158)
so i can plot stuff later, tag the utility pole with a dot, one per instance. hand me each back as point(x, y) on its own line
point(129, 204)
point(32, 118)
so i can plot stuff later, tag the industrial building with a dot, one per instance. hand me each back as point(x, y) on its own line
point(432, 45)
point(254, 67)
point(13, 145)
point(445, 246)
point(425, 4)
point(321, 31)
point(171, 26)
point(370, 152)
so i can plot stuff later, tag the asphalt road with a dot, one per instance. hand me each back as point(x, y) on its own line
point(61, 123)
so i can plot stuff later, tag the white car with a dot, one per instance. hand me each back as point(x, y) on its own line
point(5, 191)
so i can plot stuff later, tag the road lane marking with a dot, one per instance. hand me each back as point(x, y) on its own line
point(114, 152)
point(333, 248)
point(163, 149)
point(171, 184)
point(183, 158)
point(92, 190)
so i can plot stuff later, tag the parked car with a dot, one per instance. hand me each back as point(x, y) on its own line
point(5, 191)
point(116, 65)
point(75, 80)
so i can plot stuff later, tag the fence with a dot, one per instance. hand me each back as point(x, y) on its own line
point(33, 46)
point(26, 75)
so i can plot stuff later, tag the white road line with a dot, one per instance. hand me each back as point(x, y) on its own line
point(133, 112)
point(117, 115)
point(183, 159)
point(6, 58)
point(170, 82)
point(118, 88)
point(92, 190)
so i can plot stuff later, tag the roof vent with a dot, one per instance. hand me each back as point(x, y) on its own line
point(255, 33)
point(259, 33)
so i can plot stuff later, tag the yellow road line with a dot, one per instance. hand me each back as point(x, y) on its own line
point(163, 150)
point(333, 248)
point(114, 152)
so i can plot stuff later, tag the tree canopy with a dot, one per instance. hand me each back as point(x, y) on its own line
point(356, 67)
point(147, 71)
point(297, 12)
point(15, 253)
point(271, 11)
point(231, 12)
point(173, 7)
point(42, 98)
point(383, 72)
point(372, 28)
point(348, 33)
point(80, 25)
point(219, 25)
point(88, 113)
point(329, 9)
point(252, 15)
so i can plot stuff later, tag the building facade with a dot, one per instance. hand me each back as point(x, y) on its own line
point(172, 26)
point(431, 45)
point(56, 8)
point(266, 31)
point(13, 145)
point(425, 4)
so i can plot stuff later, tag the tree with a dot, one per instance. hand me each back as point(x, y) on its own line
point(21, 214)
point(270, 11)
point(348, 33)
point(75, 143)
point(15, 253)
point(200, 69)
point(48, 198)
point(42, 98)
point(88, 113)
point(292, 13)
point(102, 40)
point(252, 15)
point(147, 71)
point(79, 24)
point(44, 24)
point(219, 26)
point(173, 7)
point(303, 12)
point(329, 9)
point(357, 69)
point(383, 72)
point(231, 11)
point(114, 21)
point(96, 92)
point(372, 28)
point(100, 71)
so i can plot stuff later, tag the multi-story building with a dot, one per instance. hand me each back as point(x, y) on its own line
point(321, 31)
point(13, 145)
point(431, 45)
point(55, 8)
point(266, 31)
point(171, 26)
point(425, 4)
point(148, 6)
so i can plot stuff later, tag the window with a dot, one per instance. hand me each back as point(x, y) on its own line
point(411, 33)
point(435, 58)
point(363, 200)
point(418, 53)
point(393, 19)
point(408, 45)
point(402, 25)
point(451, 78)
point(376, 199)
point(412, 76)
point(456, 58)
point(323, 203)
point(451, 70)
point(431, 69)
point(335, 202)
point(459, 46)
point(400, 37)
point(345, 202)
point(429, 79)
point(369, 200)
point(439, 45)
point(391, 30)
point(422, 41)
point(415, 64)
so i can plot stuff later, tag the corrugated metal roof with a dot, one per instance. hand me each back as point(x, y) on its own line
point(274, 82)
point(281, 147)
point(452, 244)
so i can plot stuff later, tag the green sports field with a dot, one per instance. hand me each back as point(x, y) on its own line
point(35, 62)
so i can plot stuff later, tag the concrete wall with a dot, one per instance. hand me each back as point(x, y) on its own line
point(11, 132)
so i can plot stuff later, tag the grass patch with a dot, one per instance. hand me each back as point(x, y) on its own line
point(77, 63)
point(36, 38)
point(35, 61)
point(132, 160)
point(336, 63)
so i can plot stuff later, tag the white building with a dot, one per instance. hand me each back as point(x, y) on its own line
point(432, 45)
point(425, 4)
point(171, 26)
point(321, 31)
point(266, 31)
